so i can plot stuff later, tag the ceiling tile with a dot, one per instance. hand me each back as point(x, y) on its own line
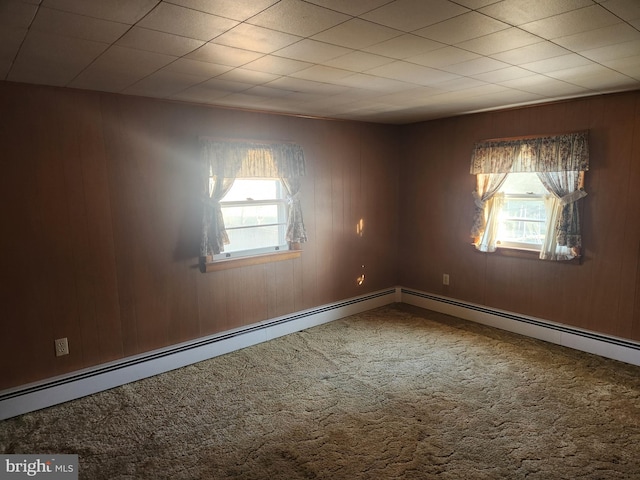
point(129, 11)
point(500, 41)
point(321, 73)
point(53, 59)
point(16, 14)
point(517, 12)
point(357, 34)
point(556, 63)
point(298, 18)
point(627, 10)
point(358, 61)
point(594, 77)
point(545, 86)
point(163, 83)
point(476, 4)
point(531, 53)
point(372, 82)
point(239, 10)
point(601, 37)
point(352, 7)
point(277, 65)
point(159, 42)
point(10, 41)
point(613, 52)
point(503, 75)
point(423, 14)
point(463, 27)
point(312, 51)
point(305, 86)
point(197, 68)
point(251, 77)
point(628, 66)
point(226, 85)
point(410, 72)
point(442, 57)
point(404, 46)
point(185, 22)
point(268, 92)
point(572, 22)
point(119, 67)
point(461, 83)
point(398, 61)
point(257, 39)
point(476, 66)
point(78, 26)
point(223, 55)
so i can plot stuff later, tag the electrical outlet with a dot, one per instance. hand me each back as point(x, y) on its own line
point(62, 346)
point(445, 279)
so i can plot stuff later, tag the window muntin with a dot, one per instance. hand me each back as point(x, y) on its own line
point(255, 217)
point(522, 220)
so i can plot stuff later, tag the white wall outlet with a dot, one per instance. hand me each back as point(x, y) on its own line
point(62, 346)
point(445, 279)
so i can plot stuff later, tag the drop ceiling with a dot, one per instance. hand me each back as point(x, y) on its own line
point(385, 61)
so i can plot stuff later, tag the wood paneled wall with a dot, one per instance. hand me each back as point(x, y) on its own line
point(101, 224)
point(436, 208)
point(100, 211)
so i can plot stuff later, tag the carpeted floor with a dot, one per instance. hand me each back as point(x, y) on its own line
point(393, 393)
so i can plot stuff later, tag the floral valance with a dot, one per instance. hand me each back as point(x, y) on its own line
point(247, 159)
point(557, 153)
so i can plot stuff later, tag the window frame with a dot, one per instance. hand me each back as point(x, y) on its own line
point(281, 204)
point(532, 247)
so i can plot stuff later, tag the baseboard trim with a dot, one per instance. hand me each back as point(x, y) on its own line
point(587, 341)
point(53, 391)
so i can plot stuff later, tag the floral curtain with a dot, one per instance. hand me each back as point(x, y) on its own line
point(563, 240)
point(560, 161)
point(223, 161)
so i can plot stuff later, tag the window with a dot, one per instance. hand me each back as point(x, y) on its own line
point(251, 203)
point(527, 193)
point(522, 221)
point(255, 217)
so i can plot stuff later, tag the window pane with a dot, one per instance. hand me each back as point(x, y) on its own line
point(249, 215)
point(249, 238)
point(521, 232)
point(523, 183)
point(524, 208)
point(254, 189)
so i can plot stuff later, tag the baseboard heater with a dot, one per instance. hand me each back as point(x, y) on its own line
point(604, 345)
point(53, 391)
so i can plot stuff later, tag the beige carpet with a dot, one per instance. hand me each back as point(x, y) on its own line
point(394, 393)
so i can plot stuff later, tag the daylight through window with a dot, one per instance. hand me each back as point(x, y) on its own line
point(522, 221)
point(255, 217)
point(527, 192)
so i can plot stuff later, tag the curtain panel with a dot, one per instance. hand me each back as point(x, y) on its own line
point(560, 162)
point(224, 161)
